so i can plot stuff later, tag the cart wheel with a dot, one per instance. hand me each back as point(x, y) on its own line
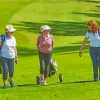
point(61, 77)
point(38, 80)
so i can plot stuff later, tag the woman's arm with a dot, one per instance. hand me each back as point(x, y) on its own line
point(16, 56)
point(38, 42)
point(52, 41)
point(83, 46)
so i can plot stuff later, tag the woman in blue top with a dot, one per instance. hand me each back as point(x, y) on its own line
point(94, 35)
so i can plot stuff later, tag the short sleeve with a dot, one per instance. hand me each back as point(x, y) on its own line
point(87, 35)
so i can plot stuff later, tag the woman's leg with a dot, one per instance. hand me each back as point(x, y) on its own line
point(11, 71)
point(5, 70)
point(47, 63)
point(0, 66)
point(42, 65)
point(93, 54)
point(11, 68)
point(98, 53)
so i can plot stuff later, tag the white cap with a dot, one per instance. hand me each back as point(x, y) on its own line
point(44, 27)
point(10, 28)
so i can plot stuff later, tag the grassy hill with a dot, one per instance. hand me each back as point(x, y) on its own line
point(68, 20)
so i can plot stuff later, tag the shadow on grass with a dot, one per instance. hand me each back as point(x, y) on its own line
point(80, 82)
point(58, 27)
point(65, 49)
point(93, 14)
point(89, 14)
point(97, 9)
point(24, 52)
point(52, 84)
point(92, 1)
point(29, 85)
point(68, 49)
point(35, 85)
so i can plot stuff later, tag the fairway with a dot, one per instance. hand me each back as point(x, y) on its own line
point(68, 19)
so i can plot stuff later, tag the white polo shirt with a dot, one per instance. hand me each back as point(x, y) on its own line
point(8, 48)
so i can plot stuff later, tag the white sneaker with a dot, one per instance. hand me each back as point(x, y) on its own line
point(45, 83)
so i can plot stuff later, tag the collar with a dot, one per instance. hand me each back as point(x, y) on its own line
point(47, 36)
point(8, 36)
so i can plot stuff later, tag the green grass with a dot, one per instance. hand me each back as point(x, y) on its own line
point(68, 19)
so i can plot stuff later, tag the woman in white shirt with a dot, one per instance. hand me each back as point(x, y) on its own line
point(8, 55)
